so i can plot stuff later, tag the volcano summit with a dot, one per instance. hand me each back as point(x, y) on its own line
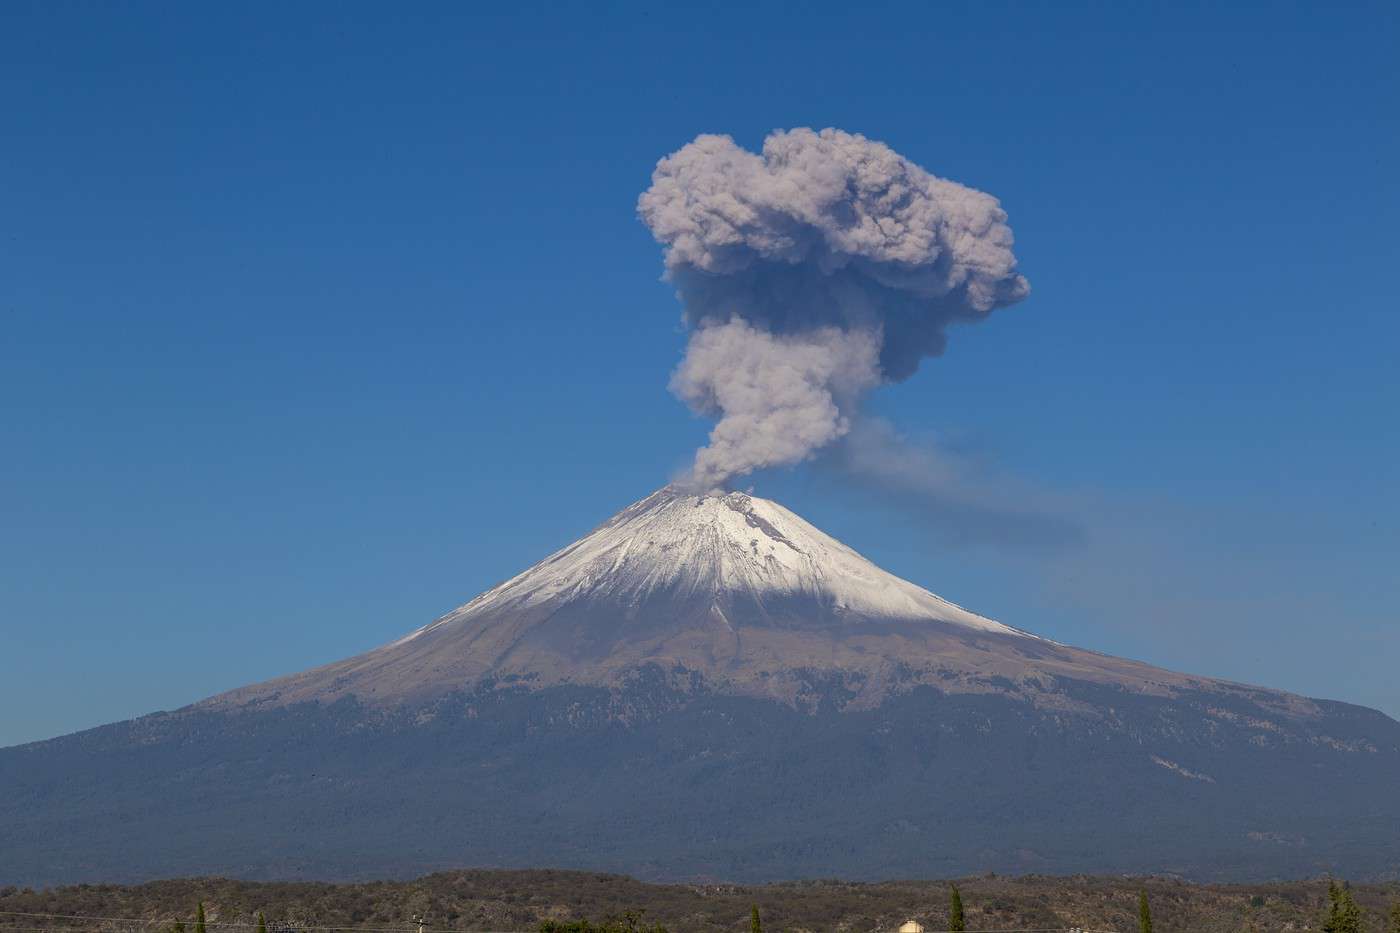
point(736, 589)
point(728, 591)
point(709, 686)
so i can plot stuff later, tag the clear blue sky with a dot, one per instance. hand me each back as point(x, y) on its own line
point(320, 318)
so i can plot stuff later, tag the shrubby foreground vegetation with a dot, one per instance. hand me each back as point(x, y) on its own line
point(583, 902)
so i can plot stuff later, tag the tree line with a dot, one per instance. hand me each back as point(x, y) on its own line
point(200, 924)
point(1342, 915)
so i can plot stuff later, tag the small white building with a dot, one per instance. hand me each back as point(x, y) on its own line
point(912, 926)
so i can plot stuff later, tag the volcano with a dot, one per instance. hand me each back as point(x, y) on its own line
point(707, 686)
point(728, 591)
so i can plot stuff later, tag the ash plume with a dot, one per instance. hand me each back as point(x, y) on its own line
point(810, 273)
point(778, 396)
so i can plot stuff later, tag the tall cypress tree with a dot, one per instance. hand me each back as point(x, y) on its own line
point(1351, 913)
point(262, 923)
point(1144, 913)
point(1343, 914)
point(956, 923)
point(1334, 905)
point(755, 925)
point(199, 919)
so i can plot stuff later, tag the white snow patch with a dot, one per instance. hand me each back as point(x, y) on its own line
point(1184, 772)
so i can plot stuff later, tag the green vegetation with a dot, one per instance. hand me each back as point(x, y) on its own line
point(526, 900)
point(755, 925)
point(630, 922)
point(956, 921)
point(1145, 914)
point(1394, 926)
point(262, 923)
point(1343, 915)
point(199, 919)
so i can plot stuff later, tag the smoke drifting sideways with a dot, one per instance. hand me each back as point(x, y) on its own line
point(811, 273)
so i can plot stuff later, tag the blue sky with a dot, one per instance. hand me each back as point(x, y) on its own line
point(319, 319)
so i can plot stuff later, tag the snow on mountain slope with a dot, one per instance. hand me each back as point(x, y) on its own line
point(683, 546)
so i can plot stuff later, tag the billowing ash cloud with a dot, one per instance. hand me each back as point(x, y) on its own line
point(778, 397)
point(811, 273)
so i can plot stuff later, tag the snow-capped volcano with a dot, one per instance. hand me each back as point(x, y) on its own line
point(727, 587)
point(708, 686)
point(735, 552)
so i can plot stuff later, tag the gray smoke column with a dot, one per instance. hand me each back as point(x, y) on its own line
point(810, 273)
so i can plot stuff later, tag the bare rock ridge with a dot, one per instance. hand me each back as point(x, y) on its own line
point(729, 587)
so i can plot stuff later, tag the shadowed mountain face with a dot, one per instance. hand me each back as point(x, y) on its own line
point(708, 686)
